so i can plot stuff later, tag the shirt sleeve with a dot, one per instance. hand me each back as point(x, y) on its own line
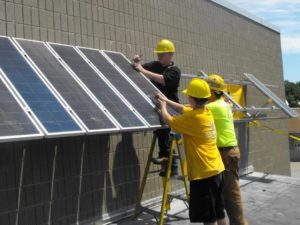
point(148, 65)
point(172, 77)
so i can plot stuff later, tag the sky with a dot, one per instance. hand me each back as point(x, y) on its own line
point(286, 15)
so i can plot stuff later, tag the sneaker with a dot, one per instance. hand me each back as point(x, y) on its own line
point(159, 160)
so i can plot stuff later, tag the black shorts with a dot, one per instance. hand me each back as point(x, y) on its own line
point(206, 200)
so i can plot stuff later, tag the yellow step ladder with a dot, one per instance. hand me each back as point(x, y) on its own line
point(176, 142)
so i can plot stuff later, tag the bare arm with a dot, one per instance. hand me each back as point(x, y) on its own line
point(174, 105)
point(163, 107)
point(159, 78)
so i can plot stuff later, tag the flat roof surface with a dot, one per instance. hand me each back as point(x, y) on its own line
point(268, 199)
point(246, 14)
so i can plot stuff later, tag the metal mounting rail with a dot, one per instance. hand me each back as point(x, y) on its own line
point(227, 96)
point(251, 80)
point(267, 92)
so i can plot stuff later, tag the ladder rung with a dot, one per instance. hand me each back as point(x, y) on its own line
point(165, 163)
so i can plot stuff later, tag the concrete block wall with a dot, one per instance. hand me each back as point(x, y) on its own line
point(207, 36)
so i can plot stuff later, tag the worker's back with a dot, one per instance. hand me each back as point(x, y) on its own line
point(223, 118)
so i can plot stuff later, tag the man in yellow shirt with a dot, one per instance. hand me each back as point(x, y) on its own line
point(227, 144)
point(204, 161)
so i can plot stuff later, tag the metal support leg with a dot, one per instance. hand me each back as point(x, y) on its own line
point(140, 195)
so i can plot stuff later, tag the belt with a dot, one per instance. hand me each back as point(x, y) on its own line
point(226, 148)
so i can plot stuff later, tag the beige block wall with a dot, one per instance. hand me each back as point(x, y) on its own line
point(207, 36)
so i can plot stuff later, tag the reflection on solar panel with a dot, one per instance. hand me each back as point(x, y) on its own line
point(14, 121)
point(43, 104)
point(143, 83)
point(99, 88)
point(123, 85)
point(80, 102)
point(270, 94)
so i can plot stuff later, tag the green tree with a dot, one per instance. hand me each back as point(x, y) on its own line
point(292, 93)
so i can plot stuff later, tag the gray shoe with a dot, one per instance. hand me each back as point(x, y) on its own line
point(159, 160)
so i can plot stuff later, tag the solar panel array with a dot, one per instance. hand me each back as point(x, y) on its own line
point(44, 105)
point(51, 90)
point(116, 78)
point(99, 88)
point(79, 101)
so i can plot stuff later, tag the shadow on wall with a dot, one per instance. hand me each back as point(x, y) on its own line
point(67, 180)
point(125, 176)
point(94, 176)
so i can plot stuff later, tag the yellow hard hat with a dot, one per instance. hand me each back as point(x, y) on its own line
point(216, 82)
point(164, 46)
point(197, 88)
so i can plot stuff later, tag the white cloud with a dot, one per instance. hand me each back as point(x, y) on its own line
point(291, 44)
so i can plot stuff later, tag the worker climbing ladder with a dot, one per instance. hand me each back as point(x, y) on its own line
point(176, 142)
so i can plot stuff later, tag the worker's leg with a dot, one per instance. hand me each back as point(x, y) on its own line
point(163, 136)
point(231, 191)
point(206, 202)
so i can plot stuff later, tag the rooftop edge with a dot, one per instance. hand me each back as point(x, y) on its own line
point(246, 14)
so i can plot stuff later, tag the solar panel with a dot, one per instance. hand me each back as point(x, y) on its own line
point(132, 95)
point(98, 87)
point(122, 62)
point(266, 91)
point(15, 123)
point(94, 119)
point(141, 81)
point(45, 107)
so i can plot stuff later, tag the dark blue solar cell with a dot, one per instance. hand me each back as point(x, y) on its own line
point(80, 102)
point(36, 94)
point(14, 122)
point(123, 85)
point(103, 92)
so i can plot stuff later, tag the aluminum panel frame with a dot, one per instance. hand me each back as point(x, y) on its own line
point(26, 106)
point(151, 99)
point(122, 128)
point(23, 137)
point(46, 80)
point(112, 86)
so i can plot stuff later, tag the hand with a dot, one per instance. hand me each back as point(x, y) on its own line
point(162, 102)
point(159, 96)
point(138, 67)
point(137, 58)
point(161, 99)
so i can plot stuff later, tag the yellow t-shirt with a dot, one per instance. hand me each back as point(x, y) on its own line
point(199, 136)
point(224, 123)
